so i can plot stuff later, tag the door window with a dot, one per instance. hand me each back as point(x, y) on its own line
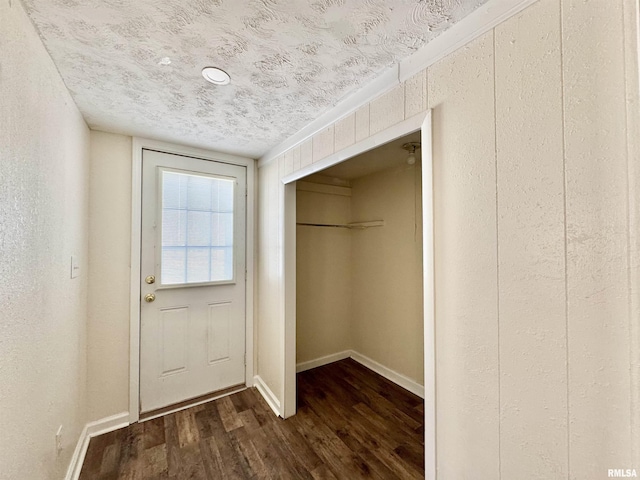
point(196, 234)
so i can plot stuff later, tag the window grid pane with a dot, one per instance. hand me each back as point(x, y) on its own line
point(197, 229)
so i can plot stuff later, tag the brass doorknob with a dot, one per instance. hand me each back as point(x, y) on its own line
point(150, 279)
point(149, 297)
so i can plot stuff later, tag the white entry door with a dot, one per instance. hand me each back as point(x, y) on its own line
point(192, 332)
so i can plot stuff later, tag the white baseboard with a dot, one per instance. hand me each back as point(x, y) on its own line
point(108, 424)
point(267, 394)
point(93, 429)
point(318, 362)
point(77, 459)
point(392, 375)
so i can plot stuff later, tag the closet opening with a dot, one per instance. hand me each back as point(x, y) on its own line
point(359, 299)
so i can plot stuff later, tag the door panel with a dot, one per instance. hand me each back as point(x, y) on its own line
point(173, 346)
point(218, 332)
point(192, 332)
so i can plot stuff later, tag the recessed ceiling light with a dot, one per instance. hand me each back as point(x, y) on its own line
point(164, 61)
point(216, 76)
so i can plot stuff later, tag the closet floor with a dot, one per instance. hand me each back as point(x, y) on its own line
point(351, 423)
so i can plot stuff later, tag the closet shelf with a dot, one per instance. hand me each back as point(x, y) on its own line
point(354, 226)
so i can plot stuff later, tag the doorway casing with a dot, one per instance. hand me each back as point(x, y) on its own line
point(420, 122)
point(138, 145)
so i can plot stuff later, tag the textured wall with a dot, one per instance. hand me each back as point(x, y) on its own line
point(597, 248)
point(632, 87)
point(536, 210)
point(387, 270)
point(323, 278)
point(531, 270)
point(44, 158)
point(461, 93)
point(109, 284)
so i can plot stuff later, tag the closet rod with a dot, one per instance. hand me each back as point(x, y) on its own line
point(357, 225)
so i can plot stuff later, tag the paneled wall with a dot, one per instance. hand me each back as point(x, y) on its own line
point(536, 215)
point(269, 328)
point(461, 93)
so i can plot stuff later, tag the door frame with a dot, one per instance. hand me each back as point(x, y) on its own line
point(138, 145)
point(420, 122)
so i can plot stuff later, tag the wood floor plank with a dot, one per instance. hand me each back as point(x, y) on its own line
point(187, 429)
point(109, 459)
point(173, 445)
point(351, 424)
point(245, 448)
point(323, 473)
point(249, 420)
point(95, 452)
point(234, 465)
point(153, 432)
point(228, 414)
point(211, 458)
point(271, 459)
point(297, 445)
point(155, 461)
point(191, 463)
point(340, 459)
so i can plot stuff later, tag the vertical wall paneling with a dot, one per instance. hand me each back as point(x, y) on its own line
point(461, 91)
point(296, 158)
point(306, 153)
point(386, 110)
point(288, 162)
point(345, 133)
point(632, 73)
point(270, 344)
point(597, 278)
point(415, 94)
point(323, 144)
point(530, 193)
point(537, 201)
point(289, 244)
point(362, 123)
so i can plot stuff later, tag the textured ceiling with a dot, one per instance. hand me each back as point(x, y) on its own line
point(289, 61)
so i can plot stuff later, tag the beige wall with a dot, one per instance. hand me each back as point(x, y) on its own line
point(467, 350)
point(323, 278)
point(109, 278)
point(361, 290)
point(44, 168)
point(269, 328)
point(536, 246)
point(387, 270)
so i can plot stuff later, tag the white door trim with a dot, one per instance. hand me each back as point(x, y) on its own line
point(138, 145)
point(419, 122)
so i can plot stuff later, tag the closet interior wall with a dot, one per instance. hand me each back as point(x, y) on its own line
point(323, 278)
point(360, 290)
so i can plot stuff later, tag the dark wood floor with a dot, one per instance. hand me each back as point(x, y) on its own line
point(351, 423)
